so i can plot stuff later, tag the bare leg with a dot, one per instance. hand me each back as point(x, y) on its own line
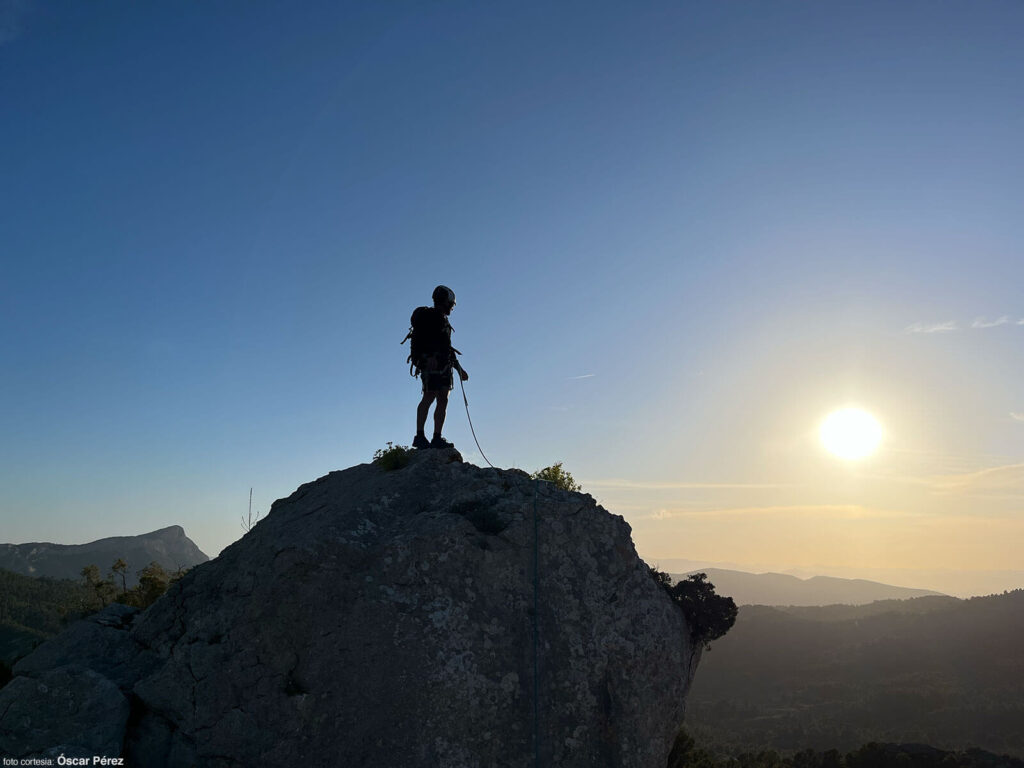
point(439, 412)
point(422, 409)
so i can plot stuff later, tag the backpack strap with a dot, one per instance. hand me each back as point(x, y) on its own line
point(412, 366)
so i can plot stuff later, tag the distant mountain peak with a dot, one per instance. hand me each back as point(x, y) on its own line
point(169, 547)
point(175, 531)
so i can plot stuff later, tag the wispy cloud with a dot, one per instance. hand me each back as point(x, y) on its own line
point(932, 327)
point(584, 376)
point(830, 511)
point(658, 486)
point(952, 325)
point(1016, 416)
point(981, 322)
point(1009, 477)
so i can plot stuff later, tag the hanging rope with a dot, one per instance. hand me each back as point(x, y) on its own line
point(462, 384)
point(536, 588)
point(536, 631)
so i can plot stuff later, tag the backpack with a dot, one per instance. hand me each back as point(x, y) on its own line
point(427, 336)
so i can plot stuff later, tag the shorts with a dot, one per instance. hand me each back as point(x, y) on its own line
point(437, 381)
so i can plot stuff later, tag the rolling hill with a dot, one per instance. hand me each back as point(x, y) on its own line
point(938, 671)
point(782, 589)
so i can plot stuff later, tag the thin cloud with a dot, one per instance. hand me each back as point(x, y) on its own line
point(982, 322)
point(952, 325)
point(1016, 416)
point(655, 486)
point(831, 511)
point(932, 327)
point(584, 376)
point(1009, 477)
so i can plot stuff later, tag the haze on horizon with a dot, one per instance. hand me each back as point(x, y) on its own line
point(680, 236)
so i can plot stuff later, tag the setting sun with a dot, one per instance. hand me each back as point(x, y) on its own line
point(851, 433)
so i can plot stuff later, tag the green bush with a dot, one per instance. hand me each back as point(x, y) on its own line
point(153, 583)
point(558, 477)
point(708, 615)
point(392, 457)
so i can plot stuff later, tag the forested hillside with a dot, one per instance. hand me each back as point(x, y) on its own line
point(687, 754)
point(32, 610)
point(948, 674)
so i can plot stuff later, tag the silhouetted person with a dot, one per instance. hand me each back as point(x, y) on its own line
point(433, 357)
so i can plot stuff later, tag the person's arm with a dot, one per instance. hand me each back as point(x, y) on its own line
point(458, 366)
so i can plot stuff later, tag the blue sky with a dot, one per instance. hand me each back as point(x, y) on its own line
point(680, 234)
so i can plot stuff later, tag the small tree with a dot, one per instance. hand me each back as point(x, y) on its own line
point(558, 477)
point(708, 615)
point(120, 567)
point(712, 615)
point(249, 522)
point(103, 589)
point(153, 582)
point(179, 573)
point(686, 754)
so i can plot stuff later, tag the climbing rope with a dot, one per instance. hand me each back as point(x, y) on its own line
point(462, 384)
point(536, 631)
point(536, 589)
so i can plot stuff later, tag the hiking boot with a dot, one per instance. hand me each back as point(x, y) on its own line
point(440, 442)
point(420, 441)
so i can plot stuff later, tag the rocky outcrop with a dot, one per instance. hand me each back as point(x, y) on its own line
point(435, 615)
point(169, 547)
point(72, 695)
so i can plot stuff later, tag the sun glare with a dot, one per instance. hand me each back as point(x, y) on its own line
point(850, 433)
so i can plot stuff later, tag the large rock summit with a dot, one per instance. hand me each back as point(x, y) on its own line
point(438, 614)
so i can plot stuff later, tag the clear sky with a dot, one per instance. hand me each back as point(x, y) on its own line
point(680, 233)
